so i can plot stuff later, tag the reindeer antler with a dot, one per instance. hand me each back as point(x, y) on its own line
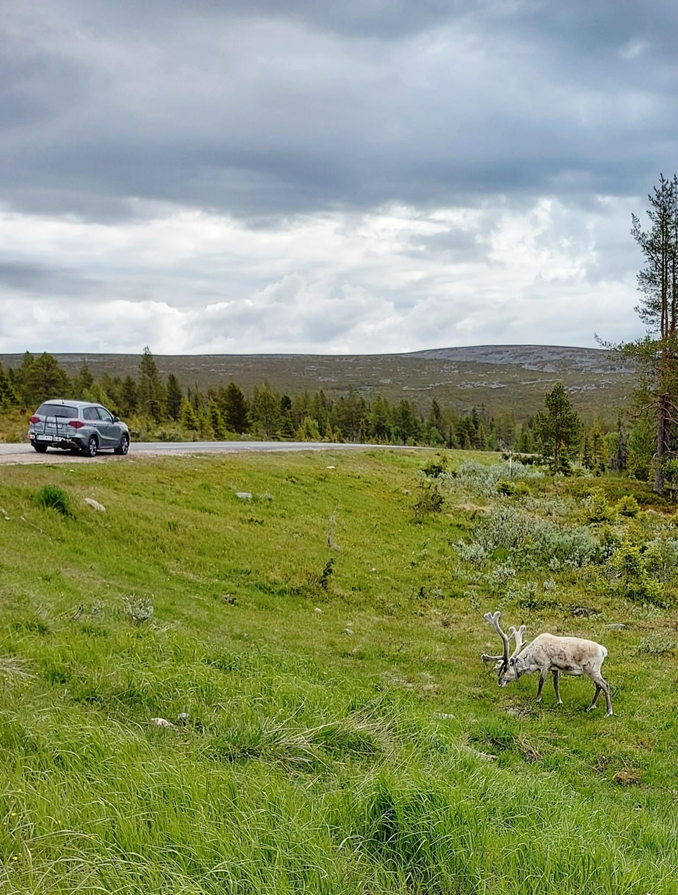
point(518, 636)
point(494, 621)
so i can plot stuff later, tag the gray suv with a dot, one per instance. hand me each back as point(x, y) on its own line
point(77, 426)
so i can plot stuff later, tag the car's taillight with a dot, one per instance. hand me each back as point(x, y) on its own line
point(34, 419)
point(77, 424)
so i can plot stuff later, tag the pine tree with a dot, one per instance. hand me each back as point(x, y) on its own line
point(657, 354)
point(152, 398)
point(558, 429)
point(174, 397)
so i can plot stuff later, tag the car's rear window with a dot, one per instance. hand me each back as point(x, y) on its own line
point(60, 410)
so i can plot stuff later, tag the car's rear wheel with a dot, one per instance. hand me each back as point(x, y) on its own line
point(92, 447)
point(40, 448)
point(123, 447)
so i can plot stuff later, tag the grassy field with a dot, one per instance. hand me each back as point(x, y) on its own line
point(316, 649)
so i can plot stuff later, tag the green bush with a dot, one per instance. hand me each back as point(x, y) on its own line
point(597, 507)
point(435, 468)
point(52, 497)
point(429, 500)
point(628, 506)
point(512, 489)
point(634, 580)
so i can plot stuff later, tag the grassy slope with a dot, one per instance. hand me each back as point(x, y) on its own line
point(313, 759)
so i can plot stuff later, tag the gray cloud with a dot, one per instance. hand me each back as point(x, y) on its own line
point(259, 109)
point(261, 153)
point(30, 278)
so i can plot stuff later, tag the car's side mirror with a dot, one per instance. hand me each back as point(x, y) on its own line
point(116, 419)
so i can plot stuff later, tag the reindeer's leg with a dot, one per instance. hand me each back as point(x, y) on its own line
point(608, 701)
point(601, 686)
point(556, 685)
point(542, 678)
point(595, 697)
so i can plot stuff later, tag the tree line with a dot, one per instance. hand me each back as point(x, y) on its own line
point(160, 408)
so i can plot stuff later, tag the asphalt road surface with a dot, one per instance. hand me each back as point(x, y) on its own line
point(24, 453)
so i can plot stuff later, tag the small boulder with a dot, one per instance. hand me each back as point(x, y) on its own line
point(95, 504)
point(243, 495)
point(161, 722)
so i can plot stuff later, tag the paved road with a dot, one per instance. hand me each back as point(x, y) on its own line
point(24, 453)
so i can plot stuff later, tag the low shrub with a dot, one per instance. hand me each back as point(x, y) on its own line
point(503, 573)
point(531, 537)
point(429, 500)
point(509, 488)
point(138, 609)
point(52, 497)
point(484, 479)
point(473, 553)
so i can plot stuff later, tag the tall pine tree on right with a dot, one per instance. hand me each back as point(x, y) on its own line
point(656, 354)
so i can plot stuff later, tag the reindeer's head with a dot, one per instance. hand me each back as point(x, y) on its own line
point(508, 667)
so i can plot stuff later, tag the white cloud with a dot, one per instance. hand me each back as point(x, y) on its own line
point(188, 281)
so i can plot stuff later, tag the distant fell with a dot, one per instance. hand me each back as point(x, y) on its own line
point(545, 358)
point(503, 378)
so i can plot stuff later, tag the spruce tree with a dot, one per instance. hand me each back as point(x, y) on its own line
point(129, 397)
point(152, 398)
point(83, 381)
point(187, 416)
point(8, 395)
point(43, 379)
point(234, 408)
point(174, 396)
point(217, 421)
point(558, 429)
point(266, 410)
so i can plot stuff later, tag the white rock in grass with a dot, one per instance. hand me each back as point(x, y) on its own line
point(161, 722)
point(95, 504)
point(318, 611)
point(182, 718)
point(243, 495)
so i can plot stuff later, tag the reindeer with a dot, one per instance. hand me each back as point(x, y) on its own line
point(569, 655)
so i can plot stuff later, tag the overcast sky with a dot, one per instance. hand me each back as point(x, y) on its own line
point(234, 176)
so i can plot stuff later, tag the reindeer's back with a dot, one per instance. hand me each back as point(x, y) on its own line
point(569, 653)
